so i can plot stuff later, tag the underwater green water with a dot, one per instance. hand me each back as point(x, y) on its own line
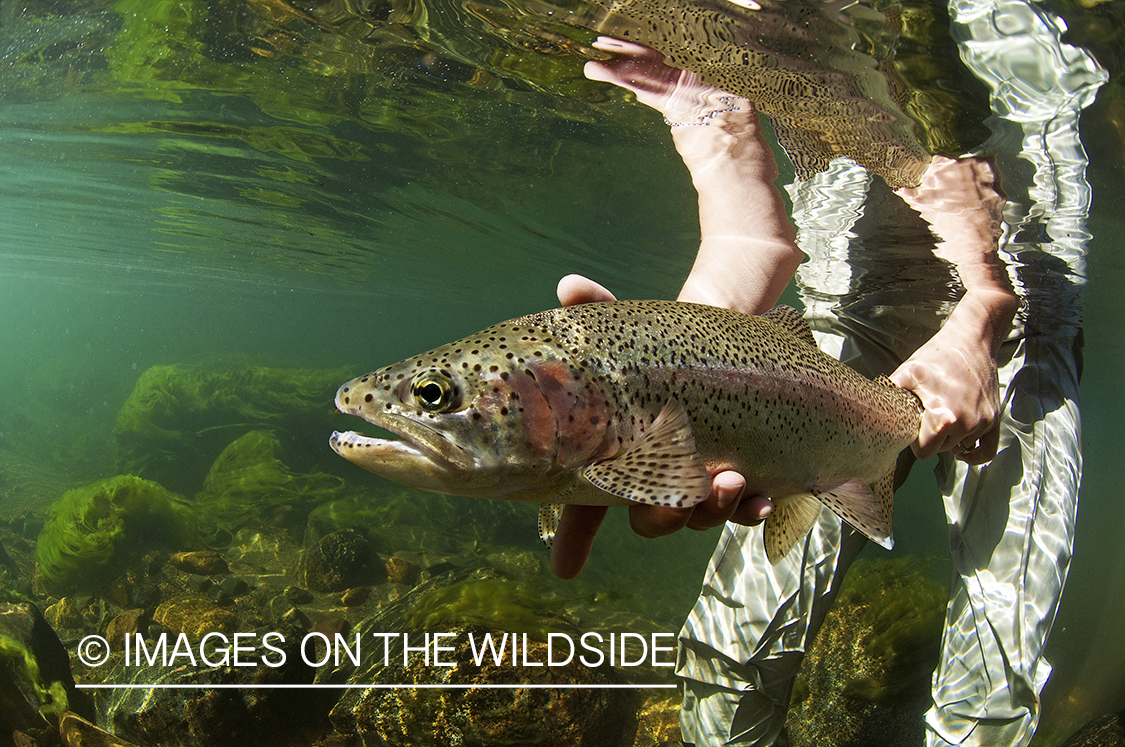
point(169, 195)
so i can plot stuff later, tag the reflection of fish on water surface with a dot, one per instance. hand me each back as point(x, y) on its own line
point(837, 79)
point(640, 401)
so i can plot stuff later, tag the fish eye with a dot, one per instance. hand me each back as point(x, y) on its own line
point(434, 391)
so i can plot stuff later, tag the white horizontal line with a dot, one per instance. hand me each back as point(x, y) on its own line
point(264, 686)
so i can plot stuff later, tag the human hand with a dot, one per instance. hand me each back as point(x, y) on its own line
point(579, 524)
point(955, 374)
point(679, 95)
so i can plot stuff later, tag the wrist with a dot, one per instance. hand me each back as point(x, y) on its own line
point(725, 138)
point(986, 314)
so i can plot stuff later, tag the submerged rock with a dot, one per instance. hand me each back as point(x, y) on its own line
point(200, 562)
point(65, 615)
point(252, 717)
point(464, 608)
point(865, 681)
point(78, 732)
point(339, 561)
point(402, 571)
point(1107, 731)
point(433, 718)
point(127, 624)
point(658, 722)
point(196, 616)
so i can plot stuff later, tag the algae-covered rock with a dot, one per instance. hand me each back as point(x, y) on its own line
point(339, 561)
point(490, 602)
point(248, 480)
point(200, 562)
point(865, 682)
point(480, 717)
point(35, 680)
point(484, 716)
point(255, 715)
point(1106, 731)
point(402, 571)
point(65, 615)
point(88, 527)
point(78, 732)
point(180, 417)
point(658, 722)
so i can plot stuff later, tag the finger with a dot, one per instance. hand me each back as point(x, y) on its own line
point(726, 492)
point(727, 487)
point(576, 289)
point(598, 71)
point(985, 450)
point(574, 539)
point(618, 46)
point(752, 511)
point(933, 436)
point(657, 521)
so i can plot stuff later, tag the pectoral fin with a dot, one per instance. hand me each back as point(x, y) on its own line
point(662, 468)
point(867, 508)
point(792, 518)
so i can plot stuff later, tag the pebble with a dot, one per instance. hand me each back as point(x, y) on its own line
point(202, 562)
point(355, 596)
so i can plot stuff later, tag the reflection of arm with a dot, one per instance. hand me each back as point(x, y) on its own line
point(748, 251)
point(954, 373)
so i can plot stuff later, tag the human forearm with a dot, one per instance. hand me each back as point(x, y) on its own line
point(954, 373)
point(748, 251)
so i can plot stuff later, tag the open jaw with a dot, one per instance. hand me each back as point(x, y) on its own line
point(350, 443)
point(416, 448)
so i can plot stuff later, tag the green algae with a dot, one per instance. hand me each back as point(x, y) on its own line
point(865, 680)
point(159, 52)
point(292, 142)
point(492, 603)
point(248, 481)
point(180, 417)
point(947, 102)
point(52, 696)
point(899, 612)
point(87, 527)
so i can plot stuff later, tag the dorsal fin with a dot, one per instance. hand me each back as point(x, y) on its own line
point(789, 319)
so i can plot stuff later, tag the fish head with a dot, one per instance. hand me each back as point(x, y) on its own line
point(506, 413)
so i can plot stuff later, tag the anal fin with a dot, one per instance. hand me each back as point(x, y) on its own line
point(867, 508)
point(793, 517)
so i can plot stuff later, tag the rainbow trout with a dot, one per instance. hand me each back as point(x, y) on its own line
point(640, 401)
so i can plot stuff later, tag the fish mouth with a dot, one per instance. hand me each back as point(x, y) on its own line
point(415, 447)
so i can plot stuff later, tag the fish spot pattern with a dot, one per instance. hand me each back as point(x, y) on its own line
point(757, 394)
